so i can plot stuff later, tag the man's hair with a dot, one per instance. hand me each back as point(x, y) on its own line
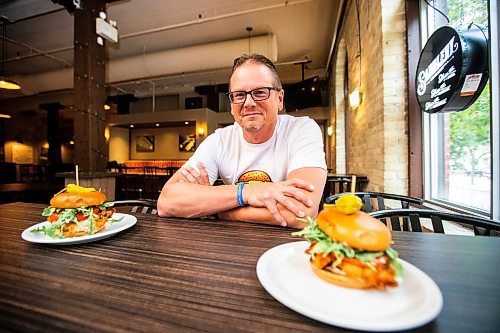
point(258, 59)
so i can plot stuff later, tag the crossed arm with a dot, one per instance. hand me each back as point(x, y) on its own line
point(189, 194)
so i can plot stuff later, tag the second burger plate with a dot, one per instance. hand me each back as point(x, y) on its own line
point(126, 222)
point(284, 271)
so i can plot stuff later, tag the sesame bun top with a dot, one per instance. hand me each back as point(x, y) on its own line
point(255, 176)
point(359, 230)
point(76, 200)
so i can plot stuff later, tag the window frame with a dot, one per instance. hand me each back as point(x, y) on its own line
point(430, 134)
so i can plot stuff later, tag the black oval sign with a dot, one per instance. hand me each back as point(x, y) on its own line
point(452, 70)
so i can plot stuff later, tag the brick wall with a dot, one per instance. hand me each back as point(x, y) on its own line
point(337, 118)
point(377, 145)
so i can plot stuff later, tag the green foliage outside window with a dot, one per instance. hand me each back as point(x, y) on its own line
point(470, 129)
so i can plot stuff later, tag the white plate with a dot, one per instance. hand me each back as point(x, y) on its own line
point(285, 273)
point(116, 227)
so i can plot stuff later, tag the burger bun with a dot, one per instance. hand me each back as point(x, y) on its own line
point(75, 200)
point(359, 230)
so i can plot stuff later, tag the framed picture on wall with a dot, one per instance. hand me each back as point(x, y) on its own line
point(145, 143)
point(44, 152)
point(187, 142)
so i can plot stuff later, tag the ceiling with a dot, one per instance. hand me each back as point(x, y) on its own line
point(40, 41)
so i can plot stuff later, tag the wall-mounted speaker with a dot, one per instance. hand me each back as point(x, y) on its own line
point(193, 103)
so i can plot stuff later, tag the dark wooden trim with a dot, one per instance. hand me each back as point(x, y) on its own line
point(415, 139)
point(347, 131)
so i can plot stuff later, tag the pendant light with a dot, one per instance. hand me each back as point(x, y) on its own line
point(4, 82)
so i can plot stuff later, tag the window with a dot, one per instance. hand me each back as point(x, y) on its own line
point(458, 146)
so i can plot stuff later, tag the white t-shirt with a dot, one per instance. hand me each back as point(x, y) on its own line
point(296, 143)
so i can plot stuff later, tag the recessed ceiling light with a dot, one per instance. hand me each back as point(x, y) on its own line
point(186, 123)
point(131, 125)
point(157, 125)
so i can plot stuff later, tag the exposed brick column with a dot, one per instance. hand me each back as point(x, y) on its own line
point(90, 92)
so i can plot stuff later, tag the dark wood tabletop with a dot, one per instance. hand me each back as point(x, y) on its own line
point(181, 275)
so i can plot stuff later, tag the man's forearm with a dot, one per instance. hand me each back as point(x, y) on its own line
point(194, 200)
point(261, 215)
point(277, 203)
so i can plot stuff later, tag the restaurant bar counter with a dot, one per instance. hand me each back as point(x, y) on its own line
point(199, 275)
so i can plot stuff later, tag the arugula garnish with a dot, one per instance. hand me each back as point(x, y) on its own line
point(67, 215)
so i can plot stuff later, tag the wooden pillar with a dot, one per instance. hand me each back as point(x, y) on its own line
point(53, 134)
point(2, 140)
point(415, 140)
point(89, 89)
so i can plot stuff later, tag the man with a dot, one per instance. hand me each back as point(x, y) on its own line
point(272, 166)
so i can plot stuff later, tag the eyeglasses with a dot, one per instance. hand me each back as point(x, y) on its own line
point(258, 94)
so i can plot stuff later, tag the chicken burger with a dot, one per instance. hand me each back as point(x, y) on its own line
point(350, 248)
point(77, 211)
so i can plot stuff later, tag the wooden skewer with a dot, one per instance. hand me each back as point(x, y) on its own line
point(76, 175)
point(353, 183)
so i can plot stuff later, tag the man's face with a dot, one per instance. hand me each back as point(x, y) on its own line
point(256, 117)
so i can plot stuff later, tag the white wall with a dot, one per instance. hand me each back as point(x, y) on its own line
point(118, 144)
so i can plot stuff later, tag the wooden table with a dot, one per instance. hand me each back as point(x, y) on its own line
point(30, 192)
point(177, 275)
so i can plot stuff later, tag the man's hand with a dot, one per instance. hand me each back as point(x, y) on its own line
point(190, 175)
point(270, 195)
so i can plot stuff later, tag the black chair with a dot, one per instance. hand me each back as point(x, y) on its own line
point(336, 184)
point(370, 198)
point(113, 166)
point(481, 225)
point(137, 206)
point(130, 187)
point(150, 171)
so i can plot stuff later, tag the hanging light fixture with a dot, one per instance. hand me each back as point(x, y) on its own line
point(4, 82)
point(249, 29)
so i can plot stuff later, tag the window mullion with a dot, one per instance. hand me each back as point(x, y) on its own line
point(495, 107)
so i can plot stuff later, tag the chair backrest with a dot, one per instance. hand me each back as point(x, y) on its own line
point(369, 198)
point(481, 225)
point(150, 170)
point(138, 206)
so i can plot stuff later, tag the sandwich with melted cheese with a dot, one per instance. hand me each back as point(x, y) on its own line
point(350, 248)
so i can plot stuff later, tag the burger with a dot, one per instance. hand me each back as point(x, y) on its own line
point(350, 248)
point(77, 211)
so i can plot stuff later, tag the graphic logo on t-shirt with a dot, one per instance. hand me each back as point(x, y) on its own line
point(254, 176)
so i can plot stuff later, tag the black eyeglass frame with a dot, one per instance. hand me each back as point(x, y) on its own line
point(249, 92)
